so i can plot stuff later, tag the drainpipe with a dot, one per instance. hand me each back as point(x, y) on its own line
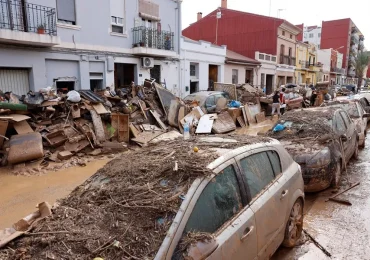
point(179, 34)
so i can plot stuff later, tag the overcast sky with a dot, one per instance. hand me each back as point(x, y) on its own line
point(295, 11)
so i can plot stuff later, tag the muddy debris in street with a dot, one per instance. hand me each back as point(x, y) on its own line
point(125, 210)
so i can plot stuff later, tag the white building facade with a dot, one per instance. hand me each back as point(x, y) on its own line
point(312, 34)
point(266, 72)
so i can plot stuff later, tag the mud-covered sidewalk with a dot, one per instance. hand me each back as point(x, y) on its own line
point(344, 231)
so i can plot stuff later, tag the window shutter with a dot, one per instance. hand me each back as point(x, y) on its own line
point(66, 10)
point(117, 8)
point(149, 10)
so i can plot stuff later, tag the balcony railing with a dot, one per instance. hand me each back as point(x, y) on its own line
point(337, 70)
point(27, 17)
point(287, 60)
point(152, 38)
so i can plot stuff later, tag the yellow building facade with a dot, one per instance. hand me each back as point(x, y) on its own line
point(307, 67)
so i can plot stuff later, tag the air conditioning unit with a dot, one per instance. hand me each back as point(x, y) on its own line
point(147, 63)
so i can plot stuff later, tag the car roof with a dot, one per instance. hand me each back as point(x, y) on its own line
point(205, 93)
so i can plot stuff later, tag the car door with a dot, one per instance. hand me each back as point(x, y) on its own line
point(341, 130)
point(220, 209)
point(351, 132)
point(268, 197)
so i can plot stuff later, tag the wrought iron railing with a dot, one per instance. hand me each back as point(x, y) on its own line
point(152, 38)
point(27, 17)
point(284, 59)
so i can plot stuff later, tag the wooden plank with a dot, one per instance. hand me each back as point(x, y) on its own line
point(3, 128)
point(241, 121)
point(142, 107)
point(234, 113)
point(223, 124)
point(23, 127)
point(260, 117)
point(18, 118)
point(245, 116)
point(146, 137)
point(100, 109)
point(180, 116)
point(228, 88)
point(159, 121)
point(251, 119)
point(134, 130)
point(49, 103)
point(121, 123)
point(6, 117)
point(98, 126)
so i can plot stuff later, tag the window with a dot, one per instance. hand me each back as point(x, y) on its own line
point(310, 35)
point(305, 35)
point(218, 203)
point(283, 33)
point(290, 52)
point(291, 36)
point(275, 162)
point(235, 76)
point(66, 11)
point(318, 46)
point(192, 70)
point(117, 24)
point(262, 80)
point(117, 12)
point(346, 118)
point(339, 125)
point(319, 34)
point(211, 101)
point(282, 49)
point(258, 172)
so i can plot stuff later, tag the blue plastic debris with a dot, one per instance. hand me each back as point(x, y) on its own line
point(279, 128)
point(234, 103)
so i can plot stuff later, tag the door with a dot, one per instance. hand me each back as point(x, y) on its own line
point(351, 133)
point(219, 211)
point(155, 73)
point(14, 80)
point(268, 193)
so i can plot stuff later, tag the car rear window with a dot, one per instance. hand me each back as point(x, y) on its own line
point(351, 109)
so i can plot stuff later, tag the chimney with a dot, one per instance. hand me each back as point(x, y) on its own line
point(224, 4)
point(199, 16)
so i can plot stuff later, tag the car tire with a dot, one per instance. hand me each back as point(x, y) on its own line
point(335, 183)
point(356, 152)
point(294, 227)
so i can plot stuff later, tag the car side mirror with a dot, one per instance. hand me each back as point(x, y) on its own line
point(201, 250)
point(343, 138)
point(366, 115)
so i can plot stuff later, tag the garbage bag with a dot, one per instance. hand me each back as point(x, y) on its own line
point(279, 128)
point(235, 103)
point(73, 96)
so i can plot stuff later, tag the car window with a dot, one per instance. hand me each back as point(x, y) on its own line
point(351, 109)
point(361, 110)
point(346, 119)
point(275, 162)
point(219, 202)
point(339, 125)
point(211, 101)
point(258, 172)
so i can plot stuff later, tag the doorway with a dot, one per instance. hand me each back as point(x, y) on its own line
point(289, 80)
point(124, 74)
point(249, 77)
point(213, 73)
point(194, 87)
point(155, 73)
point(280, 81)
point(269, 84)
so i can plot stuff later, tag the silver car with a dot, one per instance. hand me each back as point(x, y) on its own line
point(251, 205)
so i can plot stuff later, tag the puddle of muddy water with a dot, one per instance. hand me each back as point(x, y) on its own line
point(19, 195)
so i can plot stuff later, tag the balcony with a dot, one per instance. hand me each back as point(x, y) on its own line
point(153, 42)
point(27, 24)
point(287, 60)
point(337, 70)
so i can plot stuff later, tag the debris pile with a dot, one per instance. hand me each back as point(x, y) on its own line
point(125, 210)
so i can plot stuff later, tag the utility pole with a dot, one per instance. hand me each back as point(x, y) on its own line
point(270, 9)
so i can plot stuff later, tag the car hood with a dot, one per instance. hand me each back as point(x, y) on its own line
point(303, 151)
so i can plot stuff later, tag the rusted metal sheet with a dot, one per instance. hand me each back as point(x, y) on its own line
point(25, 147)
point(91, 96)
point(56, 139)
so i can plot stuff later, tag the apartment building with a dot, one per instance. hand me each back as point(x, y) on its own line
point(88, 44)
point(246, 34)
point(312, 34)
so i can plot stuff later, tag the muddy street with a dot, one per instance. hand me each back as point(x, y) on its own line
point(21, 194)
point(342, 230)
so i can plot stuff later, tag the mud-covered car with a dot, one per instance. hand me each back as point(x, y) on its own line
point(357, 113)
point(207, 99)
point(322, 140)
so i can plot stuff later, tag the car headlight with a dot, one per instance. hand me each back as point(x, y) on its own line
point(321, 158)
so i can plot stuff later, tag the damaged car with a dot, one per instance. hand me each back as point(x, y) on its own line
point(322, 140)
point(357, 113)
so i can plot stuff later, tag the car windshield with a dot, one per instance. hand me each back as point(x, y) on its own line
point(351, 109)
point(194, 98)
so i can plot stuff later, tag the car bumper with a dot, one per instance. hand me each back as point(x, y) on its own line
point(318, 178)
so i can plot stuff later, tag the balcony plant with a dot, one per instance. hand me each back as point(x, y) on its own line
point(41, 29)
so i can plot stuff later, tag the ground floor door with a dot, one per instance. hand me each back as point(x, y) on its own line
point(14, 80)
point(124, 74)
point(213, 73)
point(280, 81)
point(249, 76)
point(269, 84)
point(289, 80)
point(155, 73)
point(194, 87)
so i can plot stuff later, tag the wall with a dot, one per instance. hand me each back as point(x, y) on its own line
point(244, 33)
point(324, 57)
point(228, 73)
point(288, 43)
point(335, 34)
point(316, 39)
point(202, 54)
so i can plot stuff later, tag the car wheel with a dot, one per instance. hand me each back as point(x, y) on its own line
point(294, 227)
point(355, 153)
point(337, 175)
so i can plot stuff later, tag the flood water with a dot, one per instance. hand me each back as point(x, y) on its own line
point(19, 195)
point(344, 231)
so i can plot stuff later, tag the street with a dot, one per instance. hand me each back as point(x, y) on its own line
point(342, 230)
